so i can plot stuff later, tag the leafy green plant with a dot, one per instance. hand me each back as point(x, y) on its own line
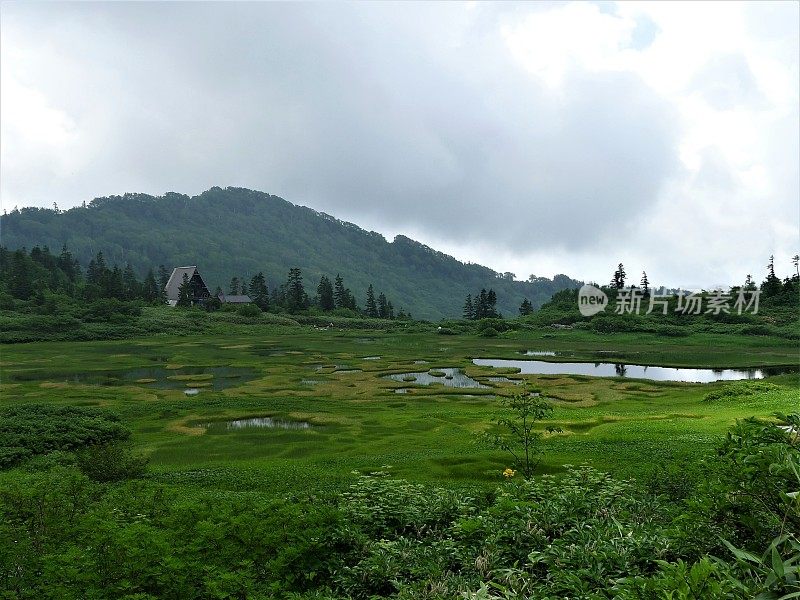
point(519, 436)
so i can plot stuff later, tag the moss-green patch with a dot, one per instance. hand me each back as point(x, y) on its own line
point(428, 433)
point(199, 377)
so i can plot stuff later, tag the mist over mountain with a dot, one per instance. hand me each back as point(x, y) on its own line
point(239, 232)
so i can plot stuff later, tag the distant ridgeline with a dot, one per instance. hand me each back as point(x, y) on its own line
point(236, 231)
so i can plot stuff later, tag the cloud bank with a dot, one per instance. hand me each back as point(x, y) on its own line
point(535, 138)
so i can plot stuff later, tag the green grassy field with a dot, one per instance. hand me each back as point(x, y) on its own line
point(332, 380)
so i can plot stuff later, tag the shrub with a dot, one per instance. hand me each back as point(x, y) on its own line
point(738, 389)
point(110, 462)
point(6, 301)
point(489, 332)
point(111, 309)
point(671, 331)
point(248, 310)
point(757, 330)
point(35, 429)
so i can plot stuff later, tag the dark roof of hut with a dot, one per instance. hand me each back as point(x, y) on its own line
point(235, 298)
point(174, 283)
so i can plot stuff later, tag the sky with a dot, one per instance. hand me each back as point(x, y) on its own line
point(536, 138)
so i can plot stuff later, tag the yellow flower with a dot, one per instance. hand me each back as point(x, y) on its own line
point(509, 473)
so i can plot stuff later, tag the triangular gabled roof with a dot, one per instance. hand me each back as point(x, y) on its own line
point(174, 283)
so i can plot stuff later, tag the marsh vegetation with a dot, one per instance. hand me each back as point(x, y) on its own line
point(348, 489)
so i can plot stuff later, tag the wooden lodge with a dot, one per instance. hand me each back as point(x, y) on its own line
point(198, 290)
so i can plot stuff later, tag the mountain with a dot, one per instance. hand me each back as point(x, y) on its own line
point(238, 232)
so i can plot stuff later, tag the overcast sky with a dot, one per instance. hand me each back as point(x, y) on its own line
point(533, 138)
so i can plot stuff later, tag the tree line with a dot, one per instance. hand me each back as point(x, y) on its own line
point(778, 291)
point(29, 276)
point(39, 275)
point(482, 306)
point(291, 296)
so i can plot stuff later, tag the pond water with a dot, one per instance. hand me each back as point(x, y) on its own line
point(654, 373)
point(256, 423)
point(371, 358)
point(539, 353)
point(451, 378)
point(157, 377)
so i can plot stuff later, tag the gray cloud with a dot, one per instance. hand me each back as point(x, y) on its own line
point(404, 117)
point(355, 109)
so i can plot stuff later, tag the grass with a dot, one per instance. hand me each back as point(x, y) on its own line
point(428, 434)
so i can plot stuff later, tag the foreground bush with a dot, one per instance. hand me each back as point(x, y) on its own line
point(582, 534)
point(36, 429)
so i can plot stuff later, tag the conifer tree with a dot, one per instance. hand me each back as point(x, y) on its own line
point(491, 304)
point(482, 304)
point(68, 264)
point(340, 294)
point(113, 286)
point(371, 309)
point(325, 298)
point(130, 285)
point(526, 307)
point(150, 291)
point(383, 308)
point(163, 278)
point(259, 293)
point(233, 288)
point(618, 281)
point(469, 311)
point(772, 285)
point(296, 298)
point(19, 280)
point(645, 283)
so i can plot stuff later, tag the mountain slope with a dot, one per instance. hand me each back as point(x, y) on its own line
point(238, 232)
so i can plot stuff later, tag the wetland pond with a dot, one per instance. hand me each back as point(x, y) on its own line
point(449, 377)
point(210, 378)
point(255, 423)
point(654, 373)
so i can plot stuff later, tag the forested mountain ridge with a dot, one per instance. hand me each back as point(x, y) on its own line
point(239, 232)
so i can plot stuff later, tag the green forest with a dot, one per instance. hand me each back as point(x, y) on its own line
point(238, 232)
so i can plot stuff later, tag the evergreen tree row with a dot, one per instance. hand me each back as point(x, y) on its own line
point(27, 276)
point(783, 292)
point(291, 296)
point(482, 306)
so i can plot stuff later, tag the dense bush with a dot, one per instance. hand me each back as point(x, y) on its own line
point(249, 310)
point(110, 462)
point(111, 309)
point(581, 534)
point(35, 429)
